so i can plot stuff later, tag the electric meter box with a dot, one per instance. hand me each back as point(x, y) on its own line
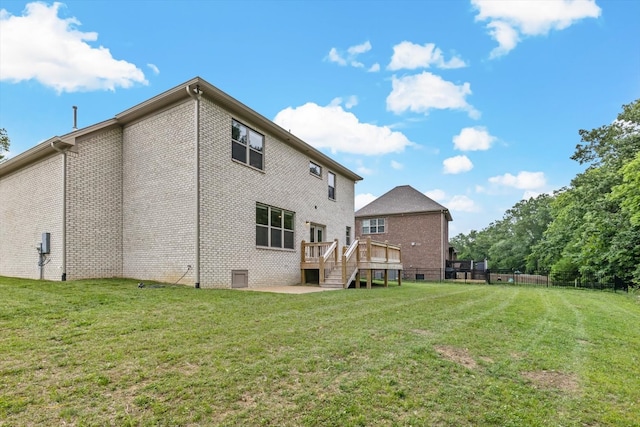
point(46, 243)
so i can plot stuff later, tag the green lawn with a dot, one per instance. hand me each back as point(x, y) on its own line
point(104, 352)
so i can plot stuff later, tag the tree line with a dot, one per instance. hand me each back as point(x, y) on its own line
point(591, 227)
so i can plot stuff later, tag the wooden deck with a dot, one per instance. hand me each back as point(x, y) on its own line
point(339, 266)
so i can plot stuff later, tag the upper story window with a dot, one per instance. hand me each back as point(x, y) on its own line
point(332, 185)
point(348, 236)
point(373, 226)
point(247, 145)
point(274, 227)
point(315, 169)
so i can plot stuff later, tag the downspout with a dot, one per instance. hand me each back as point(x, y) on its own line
point(443, 263)
point(64, 210)
point(196, 94)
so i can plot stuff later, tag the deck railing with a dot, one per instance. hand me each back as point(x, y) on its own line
point(372, 251)
point(311, 252)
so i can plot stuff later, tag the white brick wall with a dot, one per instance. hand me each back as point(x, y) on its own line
point(30, 204)
point(94, 206)
point(131, 204)
point(229, 196)
point(159, 195)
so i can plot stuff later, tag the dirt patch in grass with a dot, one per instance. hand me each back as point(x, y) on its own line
point(460, 356)
point(553, 380)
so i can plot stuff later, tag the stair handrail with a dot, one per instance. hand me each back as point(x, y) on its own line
point(347, 260)
point(328, 260)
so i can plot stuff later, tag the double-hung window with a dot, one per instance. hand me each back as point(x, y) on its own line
point(373, 226)
point(315, 169)
point(247, 145)
point(274, 227)
point(332, 185)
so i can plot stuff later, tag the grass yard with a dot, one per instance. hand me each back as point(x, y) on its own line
point(104, 352)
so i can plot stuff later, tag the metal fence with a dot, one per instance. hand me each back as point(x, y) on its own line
point(564, 279)
point(558, 279)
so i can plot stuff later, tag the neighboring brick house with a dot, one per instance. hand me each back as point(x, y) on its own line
point(191, 182)
point(420, 225)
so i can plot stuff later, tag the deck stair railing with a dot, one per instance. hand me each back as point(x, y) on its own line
point(350, 261)
point(328, 260)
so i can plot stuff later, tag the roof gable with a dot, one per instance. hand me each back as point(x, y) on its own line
point(403, 199)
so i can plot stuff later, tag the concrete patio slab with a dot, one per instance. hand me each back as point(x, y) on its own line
point(294, 289)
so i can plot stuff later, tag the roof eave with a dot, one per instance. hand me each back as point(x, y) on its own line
point(179, 93)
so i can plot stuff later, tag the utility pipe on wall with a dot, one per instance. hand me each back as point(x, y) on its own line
point(64, 210)
point(196, 94)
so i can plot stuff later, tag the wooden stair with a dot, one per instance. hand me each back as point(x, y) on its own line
point(334, 279)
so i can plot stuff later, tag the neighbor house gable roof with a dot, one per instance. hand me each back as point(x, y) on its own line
point(403, 199)
point(172, 96)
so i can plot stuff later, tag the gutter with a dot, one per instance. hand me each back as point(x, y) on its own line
point(196, 95)
point(64, 206)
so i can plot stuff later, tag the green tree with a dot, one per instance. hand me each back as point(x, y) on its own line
point(507, 243)
point(4, 142)
point(627, 193)
point(592, 230)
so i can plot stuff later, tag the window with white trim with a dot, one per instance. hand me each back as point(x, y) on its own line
point(373, 226)
point(274, 227)
point(331, 178)
point(315, 169)
point(247, 145)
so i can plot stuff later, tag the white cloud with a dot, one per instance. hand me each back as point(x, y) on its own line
point(463, 204)
point(436, 194)
point(473, 139)
point(351, 102)
point(506, 36)
point(423, 92)
point(460, 203)
point(523, 181)
point(154, 68)
point(334, 56)
point(457, 164)
point(407, 55)
point(334, 128)
point(360, 48)
point(349, 57)
point(361, 169)
point(509, 20)
point(374, 68)
point(41, 46)
point(362, 200)
point(396, 165)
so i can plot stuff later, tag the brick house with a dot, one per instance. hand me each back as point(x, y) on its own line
point(190, 186)
point(418, 224)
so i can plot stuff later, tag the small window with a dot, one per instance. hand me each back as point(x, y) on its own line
point(315, 169)
point(274, 227)
point(247, 145)
point(348, 236)
point(332, 185)
point(373, 226)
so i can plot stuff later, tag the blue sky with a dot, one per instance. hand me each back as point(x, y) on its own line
point(475, 103)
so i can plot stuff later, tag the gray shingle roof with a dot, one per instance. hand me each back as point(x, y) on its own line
point(399, 200)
